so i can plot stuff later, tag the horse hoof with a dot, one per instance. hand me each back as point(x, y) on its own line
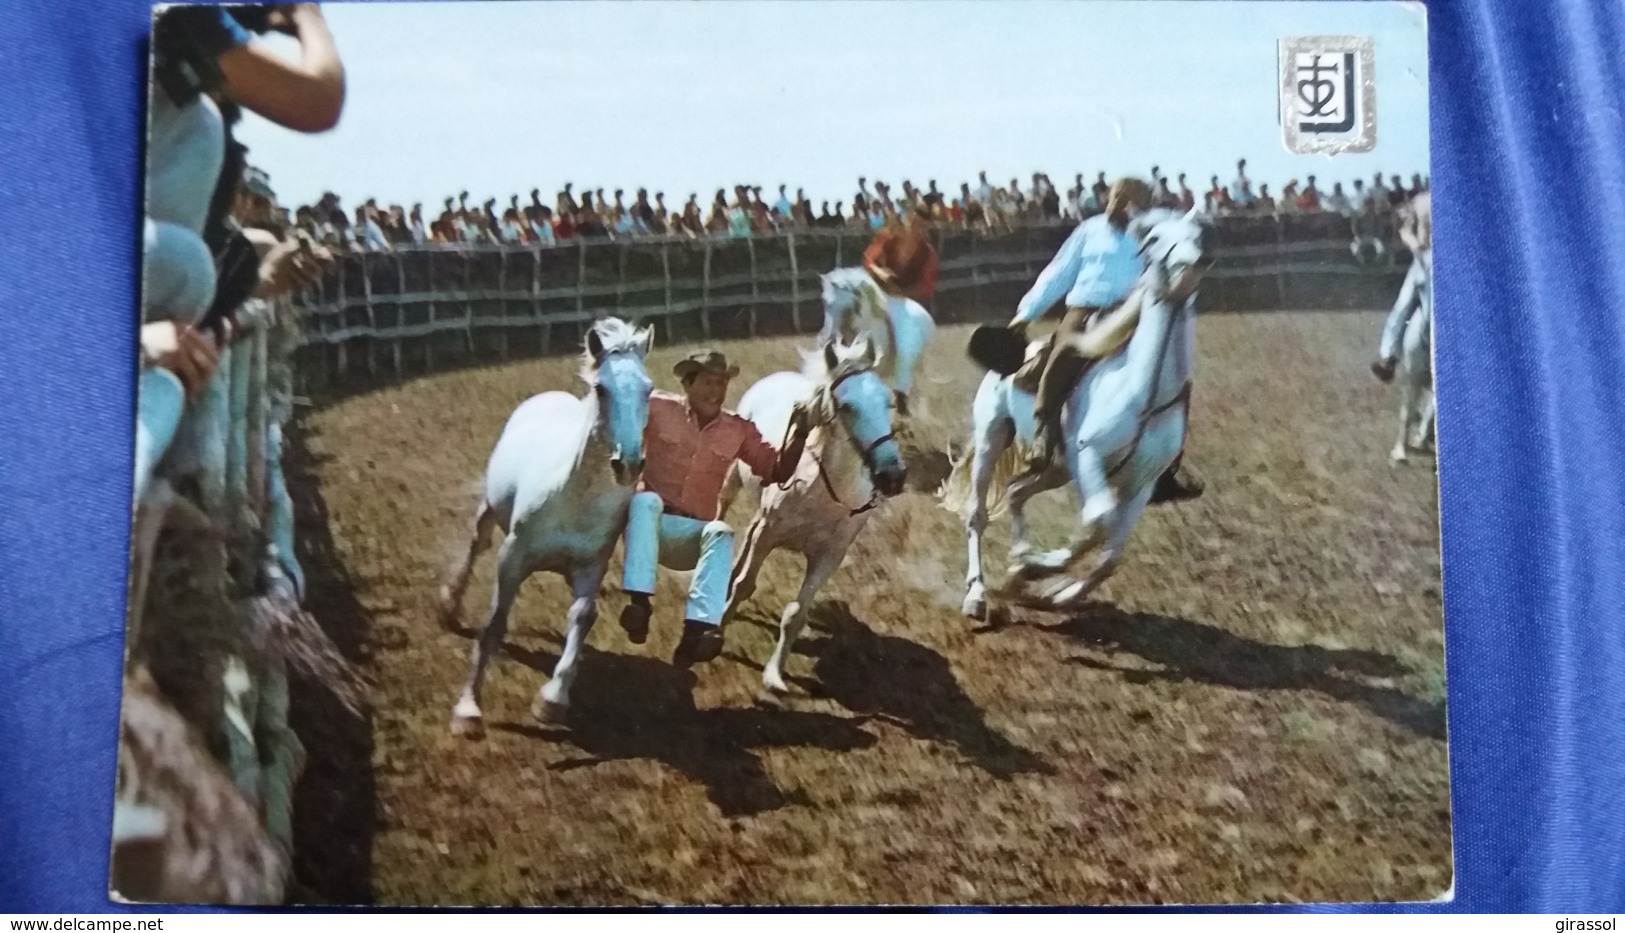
point(774, 682)
point(1398, 456)
point(468, 726)
point(1068, 596)
point(549, 713)
point(975, 607)
point(1043, 564)
point(998, 615)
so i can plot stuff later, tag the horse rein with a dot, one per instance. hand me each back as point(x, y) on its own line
point(865, 454)
point(1152, 409)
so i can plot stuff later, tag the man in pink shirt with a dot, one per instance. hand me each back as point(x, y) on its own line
point(690, 444)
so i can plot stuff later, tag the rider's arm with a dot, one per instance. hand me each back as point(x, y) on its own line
point(1112, 331)
point(306, 96)
point(874, 257)
point(1055, 281)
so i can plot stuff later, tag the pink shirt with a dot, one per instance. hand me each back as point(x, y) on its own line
point(686, 464)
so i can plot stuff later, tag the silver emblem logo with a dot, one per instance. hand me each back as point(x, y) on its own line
point(1328, 94)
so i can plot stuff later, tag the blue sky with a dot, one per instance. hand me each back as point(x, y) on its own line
point(691, 95)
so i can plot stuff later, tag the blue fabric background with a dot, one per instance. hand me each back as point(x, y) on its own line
point(1528, 135)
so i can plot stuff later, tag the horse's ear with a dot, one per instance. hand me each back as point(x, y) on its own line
point(595, 345)
point(831, 359)
point(648, 341)
point(1194, 215)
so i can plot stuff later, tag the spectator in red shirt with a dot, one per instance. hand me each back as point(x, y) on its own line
point(1309, 200)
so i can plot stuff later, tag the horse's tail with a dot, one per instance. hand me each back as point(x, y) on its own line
point(1008, 465)
point(956, 488)
point(954, 493)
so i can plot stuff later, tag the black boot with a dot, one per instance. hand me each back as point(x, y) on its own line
point(1177, 484)
point(1383, 370)
point(700, 643)
point(635, 618)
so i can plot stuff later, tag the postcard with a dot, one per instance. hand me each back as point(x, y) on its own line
point(743, 453)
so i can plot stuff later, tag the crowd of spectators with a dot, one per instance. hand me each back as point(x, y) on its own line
point(595, 213)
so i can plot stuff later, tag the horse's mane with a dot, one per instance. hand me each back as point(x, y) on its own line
point(616, 336)
point(849, 358)
point(871, 301)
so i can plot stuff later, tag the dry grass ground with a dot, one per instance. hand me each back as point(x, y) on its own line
point(1251, 710)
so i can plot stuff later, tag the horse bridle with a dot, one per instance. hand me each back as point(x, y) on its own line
point(1152, 409)
point(865, 454)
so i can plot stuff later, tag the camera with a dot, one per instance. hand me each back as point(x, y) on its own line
point(187, 40)
point(254, 17)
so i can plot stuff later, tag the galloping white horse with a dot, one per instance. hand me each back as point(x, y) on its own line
point(1416, 400)
point(851, 461)
point(559, 482)
point(1124, 427)
point(1412, 347)
point(898, 328)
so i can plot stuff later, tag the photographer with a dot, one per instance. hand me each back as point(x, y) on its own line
point(205, 63)
point(199, 265)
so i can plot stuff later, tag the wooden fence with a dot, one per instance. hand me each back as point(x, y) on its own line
point(392, 314)
point(207, 761)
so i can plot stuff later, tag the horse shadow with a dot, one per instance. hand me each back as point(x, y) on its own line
point(626, 708)
point(1195, 651)
point(907, 684)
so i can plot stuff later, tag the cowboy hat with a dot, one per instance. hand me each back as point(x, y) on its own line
point(710, 361)
point(997, 348)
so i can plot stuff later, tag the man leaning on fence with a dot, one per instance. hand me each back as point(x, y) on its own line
point(690, 445)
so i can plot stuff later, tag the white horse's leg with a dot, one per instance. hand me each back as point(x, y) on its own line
point(747, 564)
point(553, 700)
point(1426, 425)
point(988, 450)
point(451, 593)
point(1095, 518)
point(819, 569)
point(1407, 410)
point(511, 571)
point(1123, 522)
point(1020, 539)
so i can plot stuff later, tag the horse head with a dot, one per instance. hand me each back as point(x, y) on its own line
point(1174, 246)
point(852, 395)
point(614, 368)
point(845, 292)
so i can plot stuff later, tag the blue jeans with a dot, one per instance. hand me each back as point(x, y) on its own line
point(681, 543)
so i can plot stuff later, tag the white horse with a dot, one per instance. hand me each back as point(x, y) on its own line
point(558, 483)
point(898, 328)
point(1413, 346)
point(1124, 426)
point(1417, 404)
point(851, 461)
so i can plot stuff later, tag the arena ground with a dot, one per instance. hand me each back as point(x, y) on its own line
point(1253, 709)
